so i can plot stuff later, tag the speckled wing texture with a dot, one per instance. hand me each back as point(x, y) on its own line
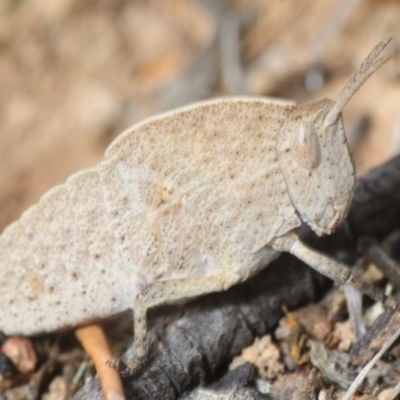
point(180, 195)
point(220, 157)
point(57, 268)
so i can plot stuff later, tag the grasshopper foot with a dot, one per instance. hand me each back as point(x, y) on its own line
point(124, 369)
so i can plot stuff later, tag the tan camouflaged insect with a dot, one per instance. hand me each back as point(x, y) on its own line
point(188, 202)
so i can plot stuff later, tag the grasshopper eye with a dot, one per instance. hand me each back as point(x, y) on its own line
point(306, 146)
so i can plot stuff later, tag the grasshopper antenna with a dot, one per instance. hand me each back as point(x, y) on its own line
point(366, 69)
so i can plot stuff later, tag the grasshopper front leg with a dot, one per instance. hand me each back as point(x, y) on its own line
point(339, 273)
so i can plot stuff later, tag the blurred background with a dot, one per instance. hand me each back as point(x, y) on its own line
point(75, 73)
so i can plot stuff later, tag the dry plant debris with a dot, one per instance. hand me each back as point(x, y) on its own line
point(294, 354)
point(264, 355)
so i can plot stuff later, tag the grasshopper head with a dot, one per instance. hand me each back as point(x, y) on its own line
point(317, 166)
point(314, 157)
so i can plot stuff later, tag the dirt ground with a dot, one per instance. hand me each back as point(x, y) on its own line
point(73, 74)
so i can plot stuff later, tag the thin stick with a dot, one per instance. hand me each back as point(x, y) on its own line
point(95, 344)
point(360, 377)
